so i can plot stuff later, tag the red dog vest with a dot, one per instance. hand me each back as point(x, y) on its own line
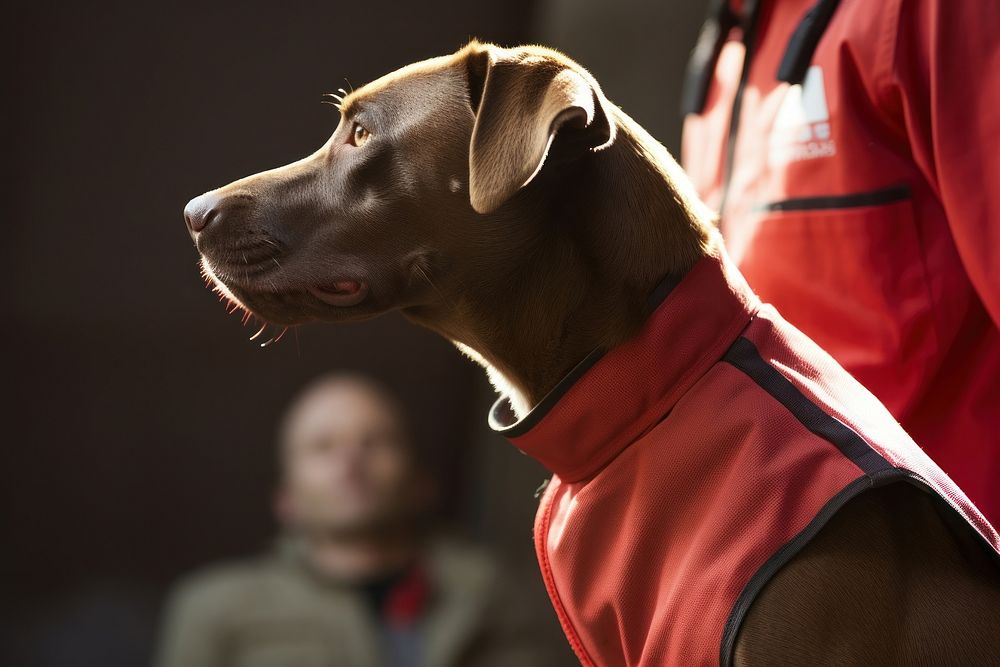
point(691, 463)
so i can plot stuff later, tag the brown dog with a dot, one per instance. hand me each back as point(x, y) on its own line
point(431, 198)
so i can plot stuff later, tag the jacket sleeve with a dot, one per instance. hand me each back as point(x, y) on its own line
point(944, 72)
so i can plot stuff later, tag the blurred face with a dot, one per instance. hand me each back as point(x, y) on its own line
point(347, 466)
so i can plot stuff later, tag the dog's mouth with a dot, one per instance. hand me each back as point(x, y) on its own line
point(341, 293)
point(254, 273)
point(276, 298)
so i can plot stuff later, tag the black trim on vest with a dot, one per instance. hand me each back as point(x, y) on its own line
point(744, 355)
point(805, 39)
point(778, 560)
point(890, 195)
point(662, 291)
point(790, 549)
point(501, 413)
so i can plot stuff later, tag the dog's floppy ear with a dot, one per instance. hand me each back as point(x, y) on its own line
point(521, 98)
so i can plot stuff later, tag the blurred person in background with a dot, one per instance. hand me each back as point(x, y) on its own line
point(358, 577)
point(852, 150)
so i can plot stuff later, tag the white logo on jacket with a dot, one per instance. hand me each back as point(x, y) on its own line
point(802, 127)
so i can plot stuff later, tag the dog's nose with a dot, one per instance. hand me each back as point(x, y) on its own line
point(201, 211)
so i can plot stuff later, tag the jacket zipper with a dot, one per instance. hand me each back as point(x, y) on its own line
point(749, 34)
point(889, 195)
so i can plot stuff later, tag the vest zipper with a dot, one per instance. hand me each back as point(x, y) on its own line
point(541, 548)
point(749, 33)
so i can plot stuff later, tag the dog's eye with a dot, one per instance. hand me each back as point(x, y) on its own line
point(359, 136)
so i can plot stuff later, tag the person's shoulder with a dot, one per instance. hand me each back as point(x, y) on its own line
point(231, 583)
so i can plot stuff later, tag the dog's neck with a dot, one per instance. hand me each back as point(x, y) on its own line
point(580, 278)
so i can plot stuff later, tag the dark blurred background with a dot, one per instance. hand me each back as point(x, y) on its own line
point(138, 418)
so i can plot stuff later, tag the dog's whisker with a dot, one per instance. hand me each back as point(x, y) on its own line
point(274, 339)
point(430, 282)
point(259, 331)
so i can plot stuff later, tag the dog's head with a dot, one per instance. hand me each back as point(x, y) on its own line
point(425, 182)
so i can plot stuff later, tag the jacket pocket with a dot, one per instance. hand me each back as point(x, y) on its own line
point(849, 271)
point(883, 196)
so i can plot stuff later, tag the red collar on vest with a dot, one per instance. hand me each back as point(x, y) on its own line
point(609, 400)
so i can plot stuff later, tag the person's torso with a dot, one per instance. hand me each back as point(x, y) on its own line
point(832, 219)
point(275, 611)
point(275, 614)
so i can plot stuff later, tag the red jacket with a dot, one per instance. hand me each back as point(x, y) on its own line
point(692, 462)
point(864, 203)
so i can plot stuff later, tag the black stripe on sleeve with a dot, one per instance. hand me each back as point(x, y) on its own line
point(744, 355)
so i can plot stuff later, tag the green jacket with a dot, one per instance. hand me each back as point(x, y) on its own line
point(273, 611)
